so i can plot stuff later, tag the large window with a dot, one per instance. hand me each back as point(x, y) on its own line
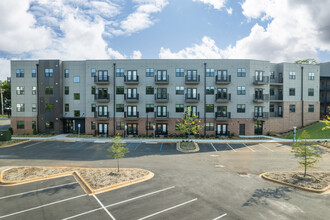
point(34, 107)
point(179, 90)
point(93, 72)
point(311, 76)
point(120, 125)
point(66, 107)
point(292, 75)
point(66, 73)
point(66, 90)
point(150, 72)
point(76, 79)
point(310, 108)
point(271, 91)
point(49, 90)
point(179, 72)
point(119, 107)
point(292, 108)
point(120, 90)
point(292, 92)
point(49, 107)
point(179, 108)
point(20, 124)
point(34, 90)
point(209, 126)
point(209, 108)
point(149, 107)
point(149, 90)
point(48, 72)
point(209, 72)
point(20, 90)
point(241, 72)
point(76, 96)
point(19, 73)
point(34, 73)
point(76, 113)
point(310, 92)
point(209, 90)
point(272, 75)
point(241, 108)
point(93, 125)
point(20, 107)
point(241, 90)
point(120, 72)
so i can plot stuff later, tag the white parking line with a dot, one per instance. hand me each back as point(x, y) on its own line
point(165, 210)
point(118, 203)
point(28, 192)
point(231, 147)
point(38, 207)
point(213, 147)
point(266, 147)
point(106, 210)
point(220, 216)
point(248, 147)
point(32, 144)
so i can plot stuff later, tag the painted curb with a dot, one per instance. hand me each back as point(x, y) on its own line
point(11, 145)
point(263, 175)
point(187, 151)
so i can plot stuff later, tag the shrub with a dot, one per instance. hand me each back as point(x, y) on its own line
point(75, 132)
point(268, 133)
point(35, 131)
point(232, 134)
point(52, 133)
point(11, 130)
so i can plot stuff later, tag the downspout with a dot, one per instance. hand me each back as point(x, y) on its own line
point(38, 98)
point(204, 99)
point(114, 98)
point(302, 96)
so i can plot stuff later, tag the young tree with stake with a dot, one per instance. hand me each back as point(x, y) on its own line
point(117, 150)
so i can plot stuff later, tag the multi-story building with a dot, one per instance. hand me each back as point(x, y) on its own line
point(325, 88)
point(245, 97)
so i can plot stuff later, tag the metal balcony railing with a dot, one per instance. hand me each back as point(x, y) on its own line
point(104, 79)
point(161, 115)
point(276, 80)
point(162, 79)
point(276, 97)
point(101, 115)
point(161, 97)
point(220, 116)
point(260, 80)
point(131, 79)
point(260, 97)
point(192, 98)
point(276, 114)
point(222, 80)
point(102, 97)
point(260, 115)
point(131, 98)
point(131, 116)
point(222, 97)
point(192, 79)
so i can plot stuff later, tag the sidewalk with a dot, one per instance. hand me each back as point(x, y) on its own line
point(62, 137)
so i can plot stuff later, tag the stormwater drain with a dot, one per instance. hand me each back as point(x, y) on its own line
point(214, 155)
point(219, 166)
point(244, 174)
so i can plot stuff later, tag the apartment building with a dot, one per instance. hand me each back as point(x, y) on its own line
point(138, 97)
point(325, 88)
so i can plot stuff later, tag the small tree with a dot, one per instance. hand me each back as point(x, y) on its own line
point(326, 121)
point(190, 124)
point(117, 150)
point(307, 152)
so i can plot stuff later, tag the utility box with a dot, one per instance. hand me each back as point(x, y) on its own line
point(5, 135)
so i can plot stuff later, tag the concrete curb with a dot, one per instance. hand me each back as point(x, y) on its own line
point(187, 151)
point(263, 175)
point(11, 145)
point(86, 187)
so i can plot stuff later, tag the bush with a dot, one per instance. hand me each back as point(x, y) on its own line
point(35, 131)
point(11, 130)
point(232, 134)
point(52, 133)
point(268, 133)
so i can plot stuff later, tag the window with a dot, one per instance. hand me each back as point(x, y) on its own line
point(20, 90)
point(209, 108)
point(209, 126)
point(49, 107)
point(310, 108)
point(292, 92)
point(209, 72)
point(48, 72)
point(150, 125)
point(93, 125)
point(34, 73)
point(311, 76)
point(209, 90)
point(272, 75)
point(20, 107)
point(179, 72)
point(241, 108)
point(76, 96)
point(49, 125)
point(76, 113)
point(76, 79)
point(292, 75)
point(93, 72)
point(93, 107)
point(292, 108)
point(19, 73)
point(241, 90)
point(120, 90)
point(179, 90)
point(119, 107)
point(149, 90)
point(120, 125)
point(150, 73)
point(192, 93)
point(132, 93)
point(241, 72)
point(66, 73)
point(34, 107)
point(66, 90)
point(310, 92)
point(93, 90)
point(272, 91)
point(120, 72)
point(149, 107)
point(20, 124)
point(34, 125)
point(271, 108)
point(66, 107)
point(179, 108)
point(49, 90)
point(34, 90)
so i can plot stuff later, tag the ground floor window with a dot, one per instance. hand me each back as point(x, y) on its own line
point(103, 128)
point(161, 129)
point(209, 126)
point(310, 108)
point(20, 124)
point(222, 130)
point(132, 129)
point(120, 125)
point(258, 127)
point(150, 125)
point(93, 125)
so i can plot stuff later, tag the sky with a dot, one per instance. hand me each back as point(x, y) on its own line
point(274, 30)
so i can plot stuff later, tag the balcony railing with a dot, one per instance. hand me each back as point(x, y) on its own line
point(101, 115)
point(222, 133)
point(193, 79)
point(131, 80)
point(221, 80)
point(162, 116)
point(162, 79)
point(276, 114)
point(276, 98)
point(162, 97)
point(276, 80)
point(260, 98)
point(101, 79)
point(102, 97)
point(260, 116)
point(132, 116)
point(192, 98)
point(132, 98)
point(260, 80)
point(222, 97)
point(196, 115)
point(220, 116)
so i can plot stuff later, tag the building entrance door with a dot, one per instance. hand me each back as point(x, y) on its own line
point(258, 128)
point(241, 129)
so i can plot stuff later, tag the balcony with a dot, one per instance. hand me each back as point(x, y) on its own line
point(192, 79)
point(102, 97)
point(101, 80)
point(162, 116)
point(195, 115)
point(276, 81)
point(260, 98)
point(219, 116)
point(260, 116)
point(261, 81)
point(131, 80)
point(162, 80)
point(222, 97)
point(276, 114)
point(221, 80)
point(132, 116)
point(222, 133)
point(276, 98)
point(162, 97)
point(133, 98)
point(192, 99)
point(101, 115)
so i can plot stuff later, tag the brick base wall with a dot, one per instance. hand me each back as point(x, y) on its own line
point(27, 124)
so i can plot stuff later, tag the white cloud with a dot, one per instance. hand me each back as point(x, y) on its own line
point(4, 69)
point(136, 54)
point(216, 4)
point(229, 11)
point(114, 54)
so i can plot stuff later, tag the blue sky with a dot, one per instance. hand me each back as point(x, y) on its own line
point(275, 30)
